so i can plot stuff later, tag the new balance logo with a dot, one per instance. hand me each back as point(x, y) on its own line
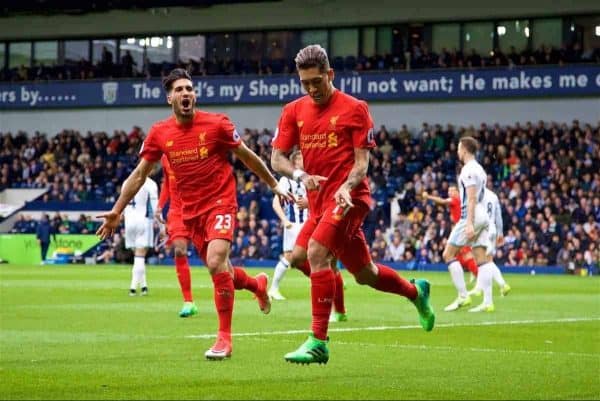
point(324, 300)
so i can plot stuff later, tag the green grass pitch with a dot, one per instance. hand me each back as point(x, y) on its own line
point(72, 332)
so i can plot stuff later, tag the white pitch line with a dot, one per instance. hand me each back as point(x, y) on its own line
point(406, 327)
point(471, 349)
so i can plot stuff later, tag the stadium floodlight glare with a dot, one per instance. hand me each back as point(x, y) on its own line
point(501, 30)
point(597, 30)
point(130, 41)
point(526, 31)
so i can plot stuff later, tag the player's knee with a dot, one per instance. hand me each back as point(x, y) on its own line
point(215, 263)
point(180, 251)
point(317, 256)
point(297, 256)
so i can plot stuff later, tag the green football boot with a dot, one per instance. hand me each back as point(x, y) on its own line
point(189, 309)
point(426, 313)
point(338, 317)
point(312, 351)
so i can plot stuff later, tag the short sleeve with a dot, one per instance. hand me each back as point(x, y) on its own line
point(286, 134)
point(363, 134)
point(229, 135)
point(150, 149)
point(470, 178)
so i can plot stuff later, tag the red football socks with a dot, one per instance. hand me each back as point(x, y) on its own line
point(338, 299)
point(243, 281)
point(183, 276)
point(224, 293)
point(322, 291)
point(389, 281)
point(469, 264)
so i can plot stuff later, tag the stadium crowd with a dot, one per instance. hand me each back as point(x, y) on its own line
point(546, 175)
point(417, 57)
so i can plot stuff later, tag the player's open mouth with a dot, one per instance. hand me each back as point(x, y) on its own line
point(186, 104)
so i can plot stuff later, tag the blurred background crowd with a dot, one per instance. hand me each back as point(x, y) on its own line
point(546, 175)
point(419, 56)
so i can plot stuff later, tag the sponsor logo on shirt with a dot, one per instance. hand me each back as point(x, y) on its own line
point(324, 140)
point(182, 156)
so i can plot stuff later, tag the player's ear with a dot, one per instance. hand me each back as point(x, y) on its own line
point(169, 98)
point(331, 74)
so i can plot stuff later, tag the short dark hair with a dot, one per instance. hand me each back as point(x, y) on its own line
point(312, 56)
point(469, 143)
point(174, 75)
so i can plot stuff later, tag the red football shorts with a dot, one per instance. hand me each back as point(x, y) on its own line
point(339, 231)
point(218, 223)
point(462, 252)
point(175, 226)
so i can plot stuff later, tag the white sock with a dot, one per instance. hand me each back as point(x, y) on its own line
point(485, 278)
point(282, 266)
point(458, 278)
point(134, 279)
point(139, 270)
point(498, 278)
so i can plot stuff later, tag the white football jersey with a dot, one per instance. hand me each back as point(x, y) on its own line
point(472, 174)
point(291, 210)
point(144, 203)
point(493, 210)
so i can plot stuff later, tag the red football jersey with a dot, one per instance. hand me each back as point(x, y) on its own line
point(327, 136)
point(168, 190)
point(454, 209)
point(198, 155)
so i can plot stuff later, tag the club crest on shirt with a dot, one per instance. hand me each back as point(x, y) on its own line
point(169, 143)
point(333, 120)
point(299, 124)
point(332, 140)
point(203, 152)
point(202, 138)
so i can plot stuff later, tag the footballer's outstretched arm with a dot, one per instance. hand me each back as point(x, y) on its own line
point(258, 166)
point(130, 187)
point(281, 163)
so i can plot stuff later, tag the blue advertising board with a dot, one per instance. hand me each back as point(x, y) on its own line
point(390, 86)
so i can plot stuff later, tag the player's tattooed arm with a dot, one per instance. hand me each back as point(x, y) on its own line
point(360, 168)
point(357, 174)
